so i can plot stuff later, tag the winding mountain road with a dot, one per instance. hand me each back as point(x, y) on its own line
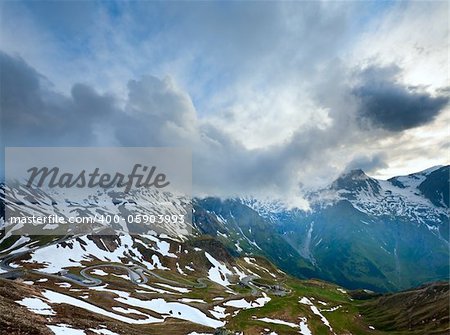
point(136, 273)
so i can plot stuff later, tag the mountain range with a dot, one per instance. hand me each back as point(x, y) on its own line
point(359, 232)
point(243, 266)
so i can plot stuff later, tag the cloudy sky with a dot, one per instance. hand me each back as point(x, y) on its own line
point(272, 97)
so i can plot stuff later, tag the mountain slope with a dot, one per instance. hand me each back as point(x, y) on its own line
point(424, 310)
point(154, 284)
point(360, 232)
point(243, 230)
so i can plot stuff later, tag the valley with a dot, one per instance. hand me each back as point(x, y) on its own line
point(242, 267)
point(140, 285)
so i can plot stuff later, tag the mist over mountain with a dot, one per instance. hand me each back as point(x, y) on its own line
point(360, 232)
point(240, 254)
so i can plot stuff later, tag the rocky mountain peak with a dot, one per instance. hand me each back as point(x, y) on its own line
point(355, 180)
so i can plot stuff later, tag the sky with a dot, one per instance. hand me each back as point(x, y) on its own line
point(273, 98)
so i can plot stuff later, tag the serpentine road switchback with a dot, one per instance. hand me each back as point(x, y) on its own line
point(136, 273)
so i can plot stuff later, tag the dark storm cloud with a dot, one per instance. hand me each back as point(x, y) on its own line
point(32, 114)
point(19, 91)
point(367, 163)
point(390, 105)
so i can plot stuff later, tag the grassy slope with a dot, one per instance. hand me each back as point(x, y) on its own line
point(424, 310)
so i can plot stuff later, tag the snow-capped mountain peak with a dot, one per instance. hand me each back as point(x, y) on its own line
point(355, 180)
point(403, 196)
